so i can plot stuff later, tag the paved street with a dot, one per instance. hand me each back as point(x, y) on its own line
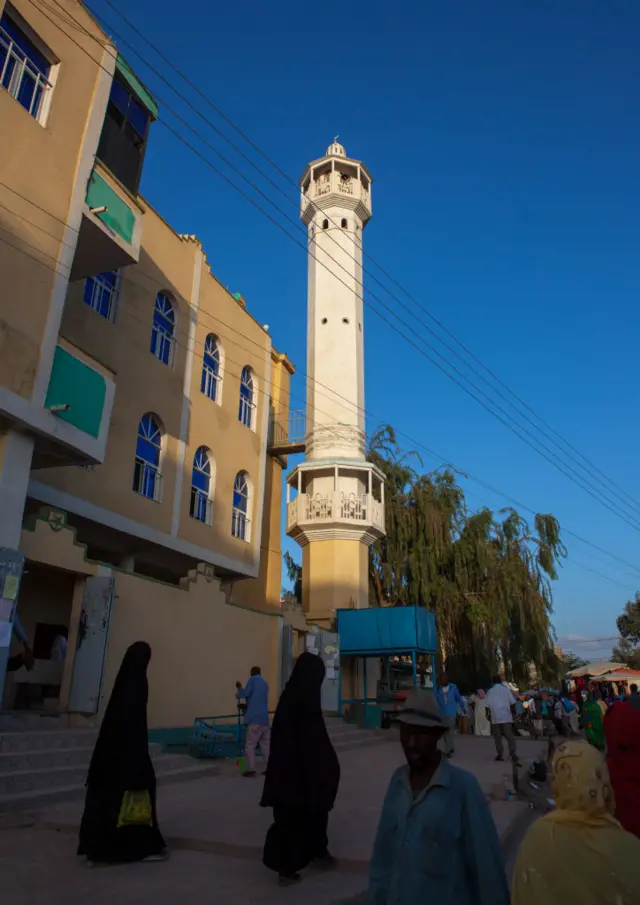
point(215, 830)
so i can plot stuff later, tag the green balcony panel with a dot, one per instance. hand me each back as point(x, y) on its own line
point(119, 217)
point(75, 384)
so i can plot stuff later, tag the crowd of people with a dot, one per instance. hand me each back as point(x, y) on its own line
point(436, 838)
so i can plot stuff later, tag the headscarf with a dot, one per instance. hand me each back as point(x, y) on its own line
point(591, 717)
point(582, 830)
point(303, 771)
point(481, 694)
point(581, 787)
point(622, 733)
point(121, 756)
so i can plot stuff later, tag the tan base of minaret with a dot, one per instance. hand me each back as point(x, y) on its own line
point(335, 576)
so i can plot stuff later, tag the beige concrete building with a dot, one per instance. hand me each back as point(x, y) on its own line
point(137, 476)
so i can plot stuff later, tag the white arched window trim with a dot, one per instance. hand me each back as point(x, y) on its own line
point(200, 498)
point(248, 409)
point(220, 379)
point(163, 343)
point(242, 506)
point(147, 475)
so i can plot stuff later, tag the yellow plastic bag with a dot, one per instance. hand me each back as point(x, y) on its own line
point(135, 809)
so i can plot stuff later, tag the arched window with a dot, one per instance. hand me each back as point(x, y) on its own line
point(147, 480)
point(201, 505)
point(210, 368)
point(162, 332)
point(247, 409)
point(325, 224)
point(344, 223)
point(240, 523)
point(101, 293)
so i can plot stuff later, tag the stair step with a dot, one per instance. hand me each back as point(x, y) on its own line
point(42, 798)
point(29, 721)
point(53, 759)
point(28, 779)
point(54, 740)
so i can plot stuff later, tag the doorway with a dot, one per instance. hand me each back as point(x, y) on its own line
point(44, 612)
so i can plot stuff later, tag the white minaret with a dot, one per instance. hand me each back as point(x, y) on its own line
point(339, 508)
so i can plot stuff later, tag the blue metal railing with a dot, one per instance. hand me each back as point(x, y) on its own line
point(218, 736)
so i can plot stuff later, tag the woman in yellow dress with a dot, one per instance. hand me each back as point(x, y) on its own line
point(578, 852)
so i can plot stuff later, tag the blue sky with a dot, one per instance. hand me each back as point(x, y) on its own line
point(503, 140)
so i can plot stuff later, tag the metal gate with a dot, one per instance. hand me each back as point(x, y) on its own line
point(91, 648)
point(328, 644)
point(11, 569)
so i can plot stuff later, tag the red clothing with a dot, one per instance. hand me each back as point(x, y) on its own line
point(622, 734)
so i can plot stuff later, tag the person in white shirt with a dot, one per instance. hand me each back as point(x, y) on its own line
point(500, 704)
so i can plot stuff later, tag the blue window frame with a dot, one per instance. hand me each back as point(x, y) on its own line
point(210, 368)
point(24, 70)
point(240, 517)
point(101, 293)
point(201, 507)
point(147, 480)
point(162, 332)
point(247, 398)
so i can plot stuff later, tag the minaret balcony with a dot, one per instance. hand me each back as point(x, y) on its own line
point(336, 514)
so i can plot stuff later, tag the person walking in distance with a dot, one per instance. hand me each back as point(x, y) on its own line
point(449, 699)
point(256, 718)
point(500, 704)
point(436, 841)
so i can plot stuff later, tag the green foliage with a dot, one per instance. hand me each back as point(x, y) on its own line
point(294, 574)
point(628, 622)
point(487, 576)
point(571, 661)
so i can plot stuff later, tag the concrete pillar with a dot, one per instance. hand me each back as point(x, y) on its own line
point(16, 452)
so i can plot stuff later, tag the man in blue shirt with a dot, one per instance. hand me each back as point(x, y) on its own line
point(436, 840)
point(449, 699)
point(256, 718)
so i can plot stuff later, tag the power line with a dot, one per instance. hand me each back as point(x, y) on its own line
point(289, 179)
point(552, 458)
point(412, 440)
point(124, 311)
point(400, 433)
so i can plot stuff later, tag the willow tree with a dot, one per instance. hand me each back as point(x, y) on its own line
point(486, 576)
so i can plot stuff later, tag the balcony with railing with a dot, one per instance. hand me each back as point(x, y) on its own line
point(287, 433)
point(339, 183)
point(240, 525)
point(335, 508)
point(24, 78)
point(201, 506)
point(147, 480)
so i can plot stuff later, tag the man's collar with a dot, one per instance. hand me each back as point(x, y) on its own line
point(441, 777)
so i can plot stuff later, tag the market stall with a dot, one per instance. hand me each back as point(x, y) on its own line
point(401, 642)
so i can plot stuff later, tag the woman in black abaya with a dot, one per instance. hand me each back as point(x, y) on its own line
point(121, 764)
point(303, 775)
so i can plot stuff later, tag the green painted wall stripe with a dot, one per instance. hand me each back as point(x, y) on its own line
point(75, 384)
point(143, 94)
point(119, 217)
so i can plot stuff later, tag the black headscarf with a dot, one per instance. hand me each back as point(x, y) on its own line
point(303, 770)
point(121, 756)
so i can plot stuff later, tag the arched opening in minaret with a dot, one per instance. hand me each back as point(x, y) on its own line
point(344, 223)
point(325, 224)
